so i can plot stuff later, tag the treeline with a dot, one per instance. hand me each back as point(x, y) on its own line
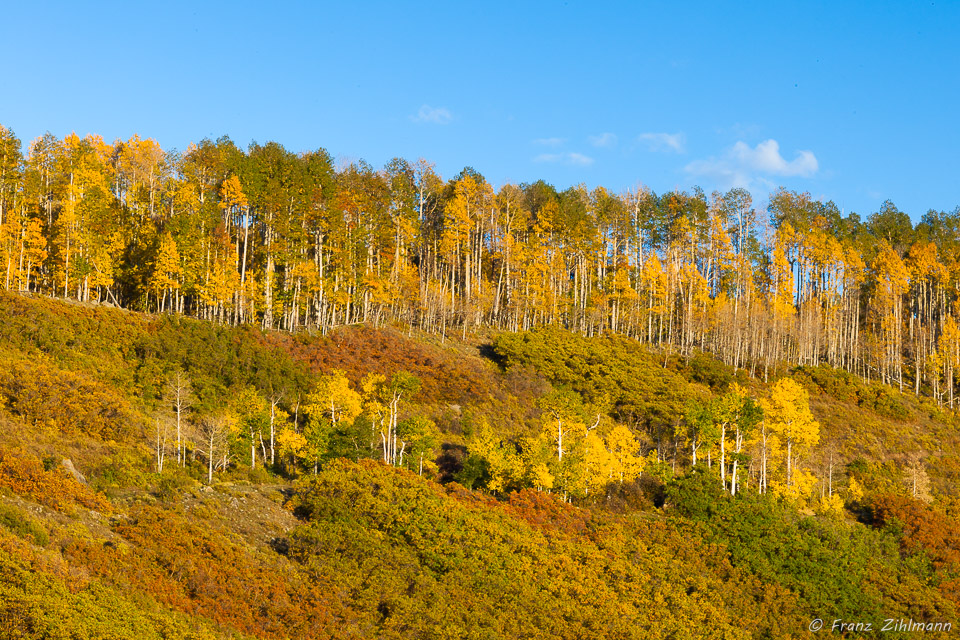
point(289, 241)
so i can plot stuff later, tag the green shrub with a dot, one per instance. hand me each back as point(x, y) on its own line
point(836, 383)
point(826, 562)
point(883, 400)
point(706, 369)
point(122, 468)
point(23, 525)
point(845, 386)
point(606, 370)
point(167, 486)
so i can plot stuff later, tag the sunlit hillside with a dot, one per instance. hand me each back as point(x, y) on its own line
point(389, 483)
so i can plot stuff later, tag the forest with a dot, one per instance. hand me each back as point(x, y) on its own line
point(291, 241)
point(252, 394)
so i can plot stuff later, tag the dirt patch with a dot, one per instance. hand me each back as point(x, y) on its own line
point(255, 513)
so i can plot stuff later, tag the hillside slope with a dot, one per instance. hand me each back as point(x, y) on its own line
point(106, 546)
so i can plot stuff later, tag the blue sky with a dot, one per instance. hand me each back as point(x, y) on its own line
point(853, 102)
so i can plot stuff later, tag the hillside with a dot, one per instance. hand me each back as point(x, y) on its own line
point(469, 526)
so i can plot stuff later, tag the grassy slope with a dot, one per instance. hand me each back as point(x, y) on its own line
point(81, 382)
point(886, 430)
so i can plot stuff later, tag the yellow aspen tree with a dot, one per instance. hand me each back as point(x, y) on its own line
point(66, 226)
point(537, 457)
point(949, 353)
point(333, 398)
point(789, 417)
point(654, 287)
point(236, 210)
point(11, 158)
point(891, 283)
point(34, 252)
point(291, 445)
point(766, 446)
point(8, 243)
point(830, 266)
point(455, 241)
point(623, 293)
point(854, 271)
point(331, 402)
point(624, 449)
point(745, 414)
point(401, 387)
point(724, 416)
point(511, 222)
point(141, 170)
point(422, 437)
point(721, 258)
point(382, 399)
point(781, 304)
point(222, 279)
point(562, 420)
point(83, 168)
point(167, 271)
point(927, 275)
point(374, 405)
point(104, 256)
point(596, 465)
point(504, 466)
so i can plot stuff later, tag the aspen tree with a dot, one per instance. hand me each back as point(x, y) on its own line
point(236, 213)
point(330, 403)
point(698, 428)
point(160, 443)
point(420, 437)
point(213, 439)
point(748, 415)
point(502, 463)
point(562, 419)
point(401, 387)
point(253, 413)
point(167, 271)
point(892, 279)
point(789, 417)
point(11, 159)
point(624, 449)
point(178, 394)
point(33, 254)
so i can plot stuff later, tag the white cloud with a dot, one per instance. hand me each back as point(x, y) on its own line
point(603, 140)
point(565, 158)
point(766, 158)
point(579, 158)
point(550, 142)
point(670, 142)
point(743, 166)
point(433, 115)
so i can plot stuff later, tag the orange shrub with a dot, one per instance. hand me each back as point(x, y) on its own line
point(196, 569)
point(357, 351)
point(24, 474)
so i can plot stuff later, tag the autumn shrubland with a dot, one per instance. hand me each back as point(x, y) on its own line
point(415, 486)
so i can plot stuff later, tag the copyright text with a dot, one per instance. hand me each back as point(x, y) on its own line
point(889, 624)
